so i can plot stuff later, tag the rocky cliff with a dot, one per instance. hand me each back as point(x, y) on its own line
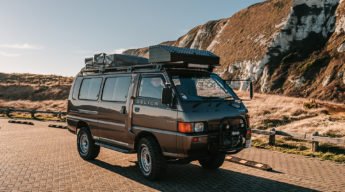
point(291, 47)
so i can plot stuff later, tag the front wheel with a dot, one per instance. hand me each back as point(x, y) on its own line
point(151, 162)
point(86, 145)
point(213, 161)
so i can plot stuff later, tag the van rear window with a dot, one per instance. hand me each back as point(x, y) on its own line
point(90, 88)
point(76, 88)
point(116, 89)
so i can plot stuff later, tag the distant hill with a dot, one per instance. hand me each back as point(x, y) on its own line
point(34, 87)
point(290, 47)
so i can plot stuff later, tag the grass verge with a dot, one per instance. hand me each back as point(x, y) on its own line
point(290, 146)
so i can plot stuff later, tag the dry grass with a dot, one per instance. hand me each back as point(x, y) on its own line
point(34, 87)
point(326, 152)
point(297, 115)
point(47, 105)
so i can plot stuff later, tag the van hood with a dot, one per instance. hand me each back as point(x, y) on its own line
point(211, 110)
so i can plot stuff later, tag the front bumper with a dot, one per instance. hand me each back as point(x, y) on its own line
point(192, 149)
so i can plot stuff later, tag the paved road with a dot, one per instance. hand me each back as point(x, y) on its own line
point(38, 158)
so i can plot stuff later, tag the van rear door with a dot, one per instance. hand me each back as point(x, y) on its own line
point(87, 105)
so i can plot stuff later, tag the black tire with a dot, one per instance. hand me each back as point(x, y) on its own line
point(87, 151)
point(213, 161)
point(148, 147)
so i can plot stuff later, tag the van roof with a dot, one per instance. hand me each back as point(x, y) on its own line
point(160, 57)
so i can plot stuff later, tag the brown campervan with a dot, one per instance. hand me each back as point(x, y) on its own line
point(169, 108)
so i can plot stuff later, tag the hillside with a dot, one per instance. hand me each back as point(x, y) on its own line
point(34, 87)
point(290, 47)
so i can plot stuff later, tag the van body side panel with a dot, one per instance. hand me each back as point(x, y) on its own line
point(158, 121)
point(150, 115)
point(111, 121)
point(88, 112)
point(82, 110)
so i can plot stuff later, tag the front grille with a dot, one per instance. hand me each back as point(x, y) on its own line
point(214, 126)
point(227, 133)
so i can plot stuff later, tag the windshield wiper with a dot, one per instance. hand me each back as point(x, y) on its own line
point(228, 98)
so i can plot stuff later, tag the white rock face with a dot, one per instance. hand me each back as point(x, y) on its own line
point(325, 82)
point(293, 28)
point(299, 82)
point(317, 3)
point(340, 25)
point(341, 48)
point(216, 39)
point(185, 40)
point(202, 33)
point(264, 80)
point(261, 40)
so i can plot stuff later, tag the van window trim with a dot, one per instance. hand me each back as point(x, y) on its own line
point(96, 77)
point(149, 75)
point(76, 87)
point(105, 80)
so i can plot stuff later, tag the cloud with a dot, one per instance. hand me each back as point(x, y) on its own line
point(89, 53)
point(6, 54)
point(21, 46)
point(118, 51)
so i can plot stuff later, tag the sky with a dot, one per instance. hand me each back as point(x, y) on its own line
point(54, 36)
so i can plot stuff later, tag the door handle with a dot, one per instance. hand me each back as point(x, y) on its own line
point(136, 109)
point(123, 110)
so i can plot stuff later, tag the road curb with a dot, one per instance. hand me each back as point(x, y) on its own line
point(57, 126)
point(248, 163)
point(21, 122)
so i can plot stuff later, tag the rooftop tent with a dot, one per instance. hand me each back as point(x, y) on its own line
point(114, 60)
point(170, 54)
point(125, 60)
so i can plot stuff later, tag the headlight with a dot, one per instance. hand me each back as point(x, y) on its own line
point(191, 127)
point(199, 127)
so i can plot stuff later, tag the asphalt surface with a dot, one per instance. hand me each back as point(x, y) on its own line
point(40, 158)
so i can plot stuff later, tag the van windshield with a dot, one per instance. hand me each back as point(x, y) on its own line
point(200, 86)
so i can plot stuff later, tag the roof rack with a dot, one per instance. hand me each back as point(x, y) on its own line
point(160, 56)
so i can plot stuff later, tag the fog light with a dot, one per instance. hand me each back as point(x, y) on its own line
point(195, 139)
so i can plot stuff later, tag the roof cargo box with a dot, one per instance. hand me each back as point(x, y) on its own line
point(170, 54)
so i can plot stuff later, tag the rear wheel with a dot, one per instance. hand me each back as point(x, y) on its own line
point(86, 145)
point(151, 162)
point(213, 161)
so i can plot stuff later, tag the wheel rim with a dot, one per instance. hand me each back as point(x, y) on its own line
point(84, 143)
point(145, 159)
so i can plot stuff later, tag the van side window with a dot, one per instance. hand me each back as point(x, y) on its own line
point(76, 87)
point(151, 87)
point(89, 89)
point(116, 89)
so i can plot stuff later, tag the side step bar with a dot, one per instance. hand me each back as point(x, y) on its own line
point(112, 147)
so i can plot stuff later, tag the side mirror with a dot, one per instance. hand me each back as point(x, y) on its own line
point(167, 96)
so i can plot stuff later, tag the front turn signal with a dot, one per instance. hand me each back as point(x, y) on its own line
point(185, 127)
